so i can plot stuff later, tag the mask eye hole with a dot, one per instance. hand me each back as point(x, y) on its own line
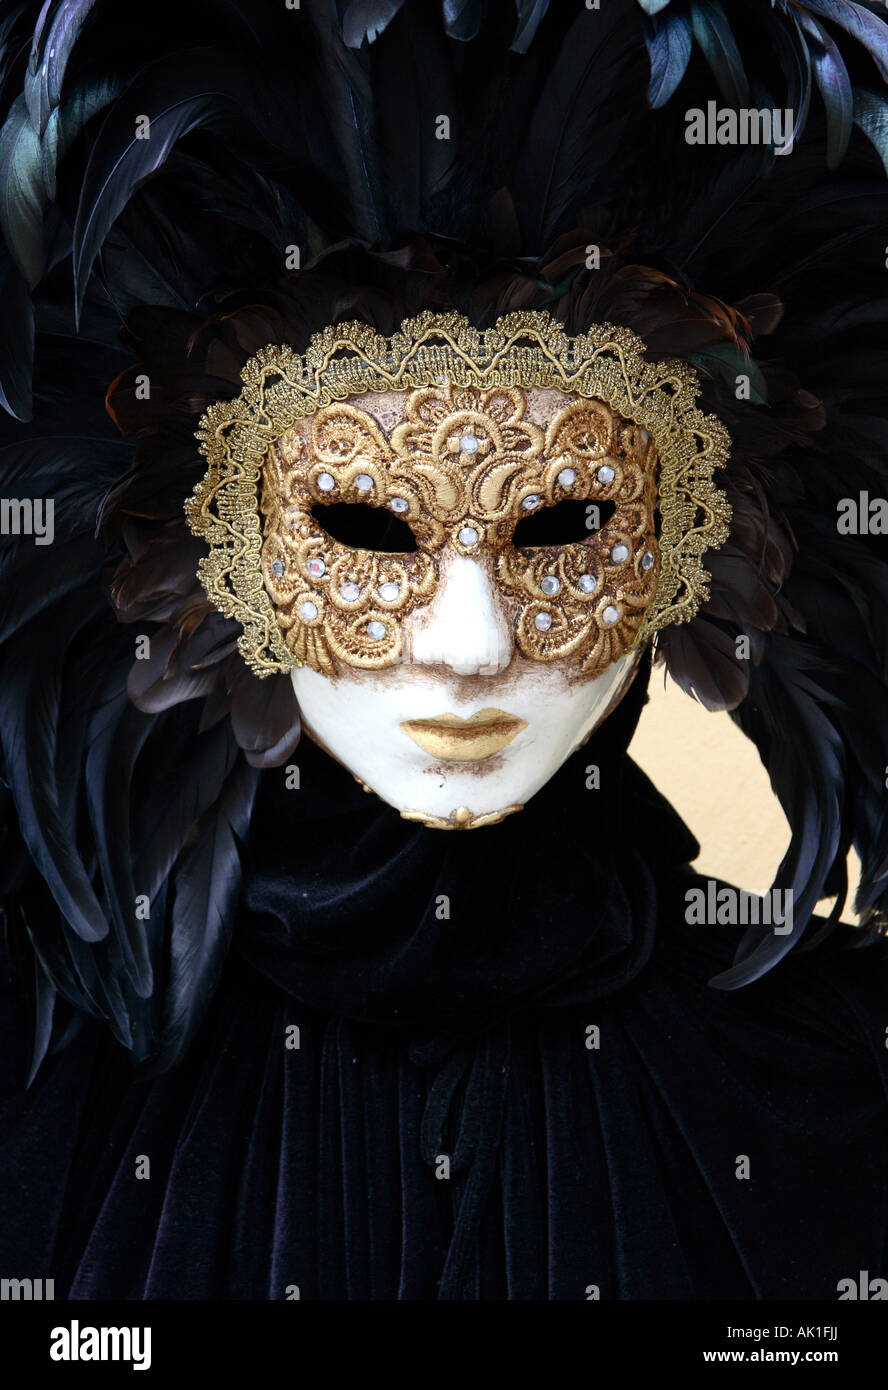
point(365, 528)
point(564, 524)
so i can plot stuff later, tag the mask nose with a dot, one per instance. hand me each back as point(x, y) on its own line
point(465, 626)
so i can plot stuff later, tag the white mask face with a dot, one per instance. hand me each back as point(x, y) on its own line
point(464, 729)
point(458, 542)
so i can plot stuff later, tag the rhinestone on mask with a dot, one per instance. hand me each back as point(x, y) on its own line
point(532, 501)
point(543, 621)
point(308, 610)
point(605, 473)
point(588, 583)
point(326, 482)
point(610, 615)
point(550, 585)
point(376, 631)
point(620, 554)
point(468, 444)
point(647, 560)
point(363, 482)
point(316, 567)
point(277, 568)
point(567, 476)
point(399, 504)
point(468, 536)
point(349, 591)
point(389, 591)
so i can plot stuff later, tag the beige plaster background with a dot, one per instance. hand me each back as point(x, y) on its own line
point(714, 778)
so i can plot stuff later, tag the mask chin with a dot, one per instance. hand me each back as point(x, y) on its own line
point(452, 751)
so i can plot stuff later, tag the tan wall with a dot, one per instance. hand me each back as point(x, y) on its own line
point(714, 778)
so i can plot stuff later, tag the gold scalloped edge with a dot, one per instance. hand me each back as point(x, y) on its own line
point(461, 818)
point(522, 349)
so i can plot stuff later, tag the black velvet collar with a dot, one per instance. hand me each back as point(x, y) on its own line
point(353, 910)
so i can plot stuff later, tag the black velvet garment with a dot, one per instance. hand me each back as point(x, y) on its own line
point(451, 1124)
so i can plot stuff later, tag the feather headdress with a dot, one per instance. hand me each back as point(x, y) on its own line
point(179, 195)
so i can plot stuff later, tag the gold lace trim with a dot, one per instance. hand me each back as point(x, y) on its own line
point(523, 349)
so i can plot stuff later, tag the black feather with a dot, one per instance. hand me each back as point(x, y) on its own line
point(669, 40)
point(204, 898)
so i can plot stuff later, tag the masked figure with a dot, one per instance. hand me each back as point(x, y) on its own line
point(372, 424)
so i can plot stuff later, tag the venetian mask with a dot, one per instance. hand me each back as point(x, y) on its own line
point(458, 543)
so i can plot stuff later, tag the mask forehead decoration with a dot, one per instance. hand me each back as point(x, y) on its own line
point(461, 435)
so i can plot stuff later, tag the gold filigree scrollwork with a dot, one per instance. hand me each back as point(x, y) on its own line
point(462, 464)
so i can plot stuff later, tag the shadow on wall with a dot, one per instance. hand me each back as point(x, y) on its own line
point(713, 776)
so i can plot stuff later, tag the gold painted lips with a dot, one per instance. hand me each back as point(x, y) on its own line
point(457, 740)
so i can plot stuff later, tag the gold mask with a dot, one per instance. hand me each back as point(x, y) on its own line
point(461, 435)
